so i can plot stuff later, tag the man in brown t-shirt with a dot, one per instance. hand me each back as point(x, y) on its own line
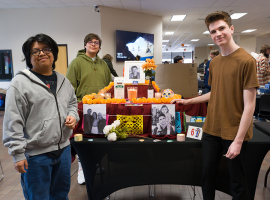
point(228, 124)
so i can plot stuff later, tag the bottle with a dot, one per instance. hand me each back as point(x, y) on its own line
point(150, 90)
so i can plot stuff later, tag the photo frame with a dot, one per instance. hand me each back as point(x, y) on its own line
point(134, 72)
point(163, 119)
point(94, 118)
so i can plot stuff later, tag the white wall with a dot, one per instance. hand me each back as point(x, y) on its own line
point(65, 25)
point(115, 19)
point(248, 42)
point(261, 41)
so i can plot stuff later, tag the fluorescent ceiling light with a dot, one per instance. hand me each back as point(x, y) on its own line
point(165, 40)
point(210, 44)
point(163, 45)
point(206, 32)
point(249, 30)
point(169, 33)
point(194, 40)
point(187, 45)
point(178, 17)
point(237, 15)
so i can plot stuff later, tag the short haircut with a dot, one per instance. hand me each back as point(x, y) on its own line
point(177, 58)
point(27, 48)
point(218, 15)
point(108, 56)
point(215, 52)
point(164, 106)
point(205, 60)
point(161, 115)
point(90, 37)
point(264, 48)
point(134, 67)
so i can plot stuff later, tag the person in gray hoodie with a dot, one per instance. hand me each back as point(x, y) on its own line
point(40, 113)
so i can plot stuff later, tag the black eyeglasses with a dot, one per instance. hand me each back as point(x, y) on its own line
point(36, 52)
point(93, 43)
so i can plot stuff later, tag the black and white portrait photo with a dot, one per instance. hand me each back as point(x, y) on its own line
point(134, 72)
point(163, 119)
point(94, 117)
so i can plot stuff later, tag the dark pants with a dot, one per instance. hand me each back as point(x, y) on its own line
point(212, 149)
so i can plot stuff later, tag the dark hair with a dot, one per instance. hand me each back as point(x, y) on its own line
point(166, 62)
point(95, 113)
point(138, 57)
point(134, 67)
point(263, 50)
point(161, 115)
point(177, 58)
point(205, 60)
point(164, 106)
point(90, 37)
point(26, 48)
point(214, 52)
point(218, 15)
point(108, 56)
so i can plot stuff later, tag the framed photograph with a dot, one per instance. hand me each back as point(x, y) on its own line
point(134, 72)
point(163, 119)
point(94, 118)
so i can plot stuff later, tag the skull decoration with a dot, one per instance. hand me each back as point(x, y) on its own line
point(168, 93)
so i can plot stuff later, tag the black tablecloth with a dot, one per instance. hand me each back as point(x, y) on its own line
point(263, 127)
point(129, 163)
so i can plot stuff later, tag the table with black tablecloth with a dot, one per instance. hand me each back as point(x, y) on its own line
point(129, 163)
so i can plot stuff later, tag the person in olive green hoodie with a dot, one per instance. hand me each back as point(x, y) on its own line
point(87, 72)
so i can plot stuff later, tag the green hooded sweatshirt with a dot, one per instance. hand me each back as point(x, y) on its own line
point(88, 76)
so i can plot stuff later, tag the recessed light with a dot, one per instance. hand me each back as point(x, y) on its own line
point(194, 40)
point(237, 15)
point(248, 30)
point(165, 40)
point(178, 17)
point(210, 44)
point(206, 32)
point(169, 33)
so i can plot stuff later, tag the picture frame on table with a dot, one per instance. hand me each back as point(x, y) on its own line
point(134, 72)
point(163, 119)
point(94, 118)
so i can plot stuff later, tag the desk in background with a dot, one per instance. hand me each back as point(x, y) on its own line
point(129, 163)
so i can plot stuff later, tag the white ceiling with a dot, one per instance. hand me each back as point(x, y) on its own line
point(192, 27)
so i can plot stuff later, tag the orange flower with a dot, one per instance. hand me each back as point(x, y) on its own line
point(109, 100)
point(139, 100)
point(89, 101)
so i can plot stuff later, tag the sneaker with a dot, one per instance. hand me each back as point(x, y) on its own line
point(81, 179)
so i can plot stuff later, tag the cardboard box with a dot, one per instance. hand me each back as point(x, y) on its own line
point(180, 78)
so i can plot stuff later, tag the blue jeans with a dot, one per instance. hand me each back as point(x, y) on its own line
point(47, 178)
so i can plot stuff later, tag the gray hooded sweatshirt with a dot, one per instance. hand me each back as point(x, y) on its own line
point(34, 121)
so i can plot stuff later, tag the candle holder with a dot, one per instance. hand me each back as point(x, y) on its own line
point(132, 93)
point(157, 95)
point(107, 95)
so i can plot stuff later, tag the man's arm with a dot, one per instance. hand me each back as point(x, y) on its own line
point(249, 106)
point(201, 99)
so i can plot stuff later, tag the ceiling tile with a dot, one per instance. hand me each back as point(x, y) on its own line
point(74, 4)
point(38, 5)
point(70, 1)
point(50, 1)
point(20, 6)
point(150, 12)
point(131, 5)
point(205, 3)
point(93, 3)
point(222, 3)
point(56, 5)
point(11, 2)
point(30, 1)
point(113, 4)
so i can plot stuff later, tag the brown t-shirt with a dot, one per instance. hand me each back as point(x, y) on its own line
point(229, 76)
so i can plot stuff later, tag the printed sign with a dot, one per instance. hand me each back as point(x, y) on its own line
point(195, 132)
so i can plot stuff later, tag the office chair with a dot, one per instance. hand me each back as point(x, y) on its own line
point(264, 108)
point(1, 171)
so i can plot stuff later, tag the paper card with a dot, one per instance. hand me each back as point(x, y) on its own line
point(94, 116)
point(119, 88)
point(195, 132)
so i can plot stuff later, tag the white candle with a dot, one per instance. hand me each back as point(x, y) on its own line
point(157, 95)
point(180, 137)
